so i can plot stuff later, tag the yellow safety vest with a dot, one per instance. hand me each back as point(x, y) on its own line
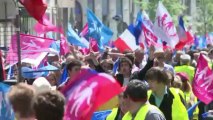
point(179, 111)
point(189, 70)
point(113, 114)
point(141, 114)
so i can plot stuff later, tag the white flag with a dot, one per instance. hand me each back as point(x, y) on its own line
point(164, 27)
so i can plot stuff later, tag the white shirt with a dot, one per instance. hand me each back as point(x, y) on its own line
point(126, 81)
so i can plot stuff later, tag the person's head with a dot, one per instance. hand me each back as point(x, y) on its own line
point(122, 104)
point(170, 77)
point(177, 83)
point(160, 56)
point(210, 54)
point(114, 50)
point(107, 65)
point(135, 94)
point(156, 77)
point(185, 59)
point(177, 56)
point(139, 55)
point(125, 66)
point(186, 86)
point(74, 67)
point(41, 84)
point(168, 55)
point(21, 99)
point(49, 105)
point(52, 78)
point(196, 56)
point(131, 57)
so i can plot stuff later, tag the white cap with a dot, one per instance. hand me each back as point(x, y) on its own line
point(41, 84)
point(185, 57)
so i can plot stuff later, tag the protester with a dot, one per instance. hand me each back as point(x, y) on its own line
point(135, 97)
point(21, 98)
point(185, 61)
point(176, 59)
point(168, 100)
point(49, 105)
point(160, 61)
point(120, 111)
point(73, 68)
point(125, 68)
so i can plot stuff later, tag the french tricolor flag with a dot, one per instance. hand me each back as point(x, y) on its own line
point(185, 36)
point(126, 41)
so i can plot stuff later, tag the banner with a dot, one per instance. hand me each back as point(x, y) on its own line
point(32, 48)
point(86, 92)
point(202, 85)
point(164, 27)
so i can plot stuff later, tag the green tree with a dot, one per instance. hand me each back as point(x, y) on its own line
point(174, 7)
point(204, 16)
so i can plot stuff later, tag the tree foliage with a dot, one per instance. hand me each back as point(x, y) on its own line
point(174, 7)
point(204, 16)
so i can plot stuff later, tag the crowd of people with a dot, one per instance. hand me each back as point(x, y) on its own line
point(157, 85)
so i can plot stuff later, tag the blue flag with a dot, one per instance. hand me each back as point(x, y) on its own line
point(192, 109)
point(40, 72)
point(10, 73)
point(5, 107)
point(98, 30)
point(101, 115)
point(55, 45)
point(63, 76)
point(74, 39)
point(115, 66)
point(138, 27)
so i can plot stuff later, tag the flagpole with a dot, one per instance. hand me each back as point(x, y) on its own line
point(17, 24)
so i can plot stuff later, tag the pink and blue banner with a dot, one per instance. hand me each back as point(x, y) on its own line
point(32, 48)
point(86, 92)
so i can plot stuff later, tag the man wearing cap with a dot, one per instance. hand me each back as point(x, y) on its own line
point(185, 67)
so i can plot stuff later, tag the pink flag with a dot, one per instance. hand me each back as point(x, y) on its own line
point(93, 47)
point(46, 26)
point(31, 47)
point(64, 45)
point(84, 31)
point(86, 92)
point(36, 8)
point(164, 27)
point(202, 84)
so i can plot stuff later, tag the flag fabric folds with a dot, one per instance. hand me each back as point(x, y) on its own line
point(86, 92)
point(36, 8)
point(202, 85)
point(74, 39)
point(98, 30)
point(6, 111)
point(101, 115)
point(32, 48)
point(185, 36)
point(47, 26)
point(192, 109)
point(126, 41)
point(164, 27)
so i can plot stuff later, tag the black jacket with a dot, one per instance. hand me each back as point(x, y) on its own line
point(140, 75)
point(166, 104)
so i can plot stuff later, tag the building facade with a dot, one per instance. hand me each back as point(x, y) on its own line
point(105, 10)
